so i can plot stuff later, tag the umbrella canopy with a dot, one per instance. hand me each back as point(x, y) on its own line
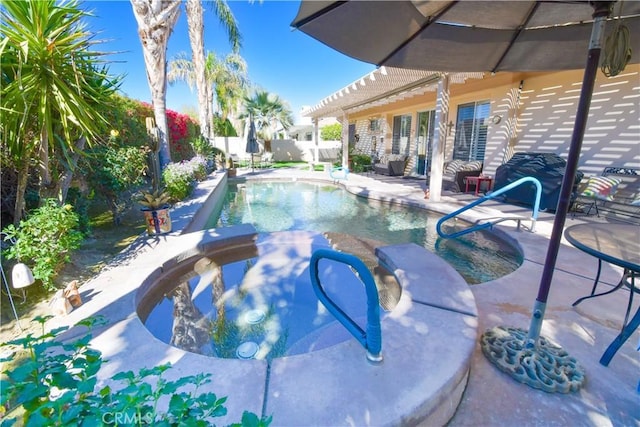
point(461, 35)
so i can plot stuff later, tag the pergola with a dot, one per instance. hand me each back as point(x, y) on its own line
point(387, 85)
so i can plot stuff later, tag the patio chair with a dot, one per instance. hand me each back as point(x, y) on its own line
point(598, 188)
point(266, 160)
point(240, 161)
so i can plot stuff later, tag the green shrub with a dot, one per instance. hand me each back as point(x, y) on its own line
point(44, 240)
point(202, 147)
point(178, 180)
point(56, 385)
point(359, 161)
point(114, 171)
point(80, 205)
point(331, 132)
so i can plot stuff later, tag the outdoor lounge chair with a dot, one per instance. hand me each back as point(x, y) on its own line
point(266, 160)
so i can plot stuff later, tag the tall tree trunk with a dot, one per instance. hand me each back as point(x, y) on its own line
point(196, 38)
point(156, 19)
point(65, 181)
point(209, 118)
point(45, 189)
point(21, 188)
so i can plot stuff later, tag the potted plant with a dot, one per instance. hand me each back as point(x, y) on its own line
point(156, 211)
point(231, 168)
point(219, 161)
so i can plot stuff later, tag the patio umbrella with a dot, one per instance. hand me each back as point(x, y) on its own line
point(461, 35)
point(252, 141)
point(488, 36)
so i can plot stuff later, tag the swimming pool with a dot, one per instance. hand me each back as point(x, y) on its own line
point(256, 301)
point(278, 206)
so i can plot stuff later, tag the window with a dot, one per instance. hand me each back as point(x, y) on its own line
point(471, 131)
point(401, 133)
point(373, 125)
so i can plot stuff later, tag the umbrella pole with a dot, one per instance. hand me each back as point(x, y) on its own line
point(527, 356)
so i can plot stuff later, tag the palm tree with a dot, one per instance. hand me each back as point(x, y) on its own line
point(156, 19)
point(231, 85)
point(267, 110)
point(51, 89)
point(224, 78)
point(196, 39)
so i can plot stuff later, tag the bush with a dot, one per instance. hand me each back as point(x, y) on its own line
point(198, 165)
point(331, 132)
point(359, 161)
point(202, 147)
point(44, 240)
point(56, 385)
point(178, 180)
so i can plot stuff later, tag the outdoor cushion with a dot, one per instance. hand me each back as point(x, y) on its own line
point(474, 165)
point(453, 166)
point(601, 187)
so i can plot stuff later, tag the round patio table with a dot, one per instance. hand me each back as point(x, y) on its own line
point(617, 244)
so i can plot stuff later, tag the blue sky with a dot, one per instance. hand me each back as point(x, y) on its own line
point(289, 63)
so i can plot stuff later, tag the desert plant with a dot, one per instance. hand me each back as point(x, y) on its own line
point(53, 82)
point(44, 240)
point(154, 199)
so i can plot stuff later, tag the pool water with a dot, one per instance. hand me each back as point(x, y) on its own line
point(257, 302)
point(278, 206)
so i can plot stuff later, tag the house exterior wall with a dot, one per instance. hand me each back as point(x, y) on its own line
point(536, 112)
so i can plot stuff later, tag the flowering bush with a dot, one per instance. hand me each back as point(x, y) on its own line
point(178, 180)
point(182, 129)
point(199, 166)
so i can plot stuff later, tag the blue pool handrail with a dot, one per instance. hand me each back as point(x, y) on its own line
point(371, 340)
point(489, 196)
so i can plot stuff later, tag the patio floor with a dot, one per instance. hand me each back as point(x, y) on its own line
point(610, 395)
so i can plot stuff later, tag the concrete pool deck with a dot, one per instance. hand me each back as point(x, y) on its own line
point(608, 397)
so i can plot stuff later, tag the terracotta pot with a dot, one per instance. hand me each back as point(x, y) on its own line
point(232, 172)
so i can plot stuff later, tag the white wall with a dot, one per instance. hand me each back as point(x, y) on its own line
point(283, 149)
point(546, 116)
